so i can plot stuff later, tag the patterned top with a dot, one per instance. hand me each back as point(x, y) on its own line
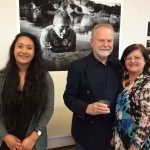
point(133, 115)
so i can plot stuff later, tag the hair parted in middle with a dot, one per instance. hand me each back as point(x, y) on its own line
point(144, 52)
point(34, 86)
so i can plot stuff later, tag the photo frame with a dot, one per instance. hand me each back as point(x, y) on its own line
point(148, 44)
point(36, 15)
point(148, 29)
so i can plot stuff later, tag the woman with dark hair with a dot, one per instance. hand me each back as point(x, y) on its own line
point(26, 97)
point(133, 103)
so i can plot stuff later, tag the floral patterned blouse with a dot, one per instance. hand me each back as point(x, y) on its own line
point(133, 115)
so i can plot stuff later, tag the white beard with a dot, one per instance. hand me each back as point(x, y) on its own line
point(101, 53)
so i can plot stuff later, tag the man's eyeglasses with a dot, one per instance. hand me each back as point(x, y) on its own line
point(136, 58)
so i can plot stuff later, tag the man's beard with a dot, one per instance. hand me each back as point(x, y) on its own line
point(104, 52)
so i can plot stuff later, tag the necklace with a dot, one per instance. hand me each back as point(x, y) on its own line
point(127, 83)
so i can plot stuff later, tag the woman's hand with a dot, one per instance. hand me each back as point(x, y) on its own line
point(29, 142)
point(12, 142)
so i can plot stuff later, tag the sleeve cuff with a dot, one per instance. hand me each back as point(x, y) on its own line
point(3, 131)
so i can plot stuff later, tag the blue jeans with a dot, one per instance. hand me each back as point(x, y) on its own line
point(79, 147)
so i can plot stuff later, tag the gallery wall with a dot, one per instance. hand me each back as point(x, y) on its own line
point(134, 22)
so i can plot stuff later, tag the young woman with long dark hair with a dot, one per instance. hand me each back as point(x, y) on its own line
point(26, 96)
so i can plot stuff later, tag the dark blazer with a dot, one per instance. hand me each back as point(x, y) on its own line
point(92, 132)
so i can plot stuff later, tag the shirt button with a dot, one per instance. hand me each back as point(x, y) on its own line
point(87, 92)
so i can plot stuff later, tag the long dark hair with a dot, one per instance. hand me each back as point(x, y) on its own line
point(34, 87)
point(145, 53)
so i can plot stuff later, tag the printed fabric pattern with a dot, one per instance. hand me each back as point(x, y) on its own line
point(133, 115)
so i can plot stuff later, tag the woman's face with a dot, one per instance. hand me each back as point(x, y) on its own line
point(135, 62)
point(24, 51)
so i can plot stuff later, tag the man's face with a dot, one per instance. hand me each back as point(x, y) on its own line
point(102, 42)
point(61, 28)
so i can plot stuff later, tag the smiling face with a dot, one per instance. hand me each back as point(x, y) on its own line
point(102, 42)
point(135, 62)
point(24, 51)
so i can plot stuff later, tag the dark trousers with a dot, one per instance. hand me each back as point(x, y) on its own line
point(79, 147)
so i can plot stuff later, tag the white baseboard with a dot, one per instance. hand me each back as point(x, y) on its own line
point(60, 141)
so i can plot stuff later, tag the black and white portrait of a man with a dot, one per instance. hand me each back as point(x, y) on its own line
point(63, 27)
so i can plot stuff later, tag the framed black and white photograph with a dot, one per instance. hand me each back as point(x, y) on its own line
point(148, 48)
point(148, 44)
point(64, 27)
point(148, 29)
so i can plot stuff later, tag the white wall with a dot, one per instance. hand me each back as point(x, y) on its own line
point(135, 16)
point(134, 22)
point(8, 27)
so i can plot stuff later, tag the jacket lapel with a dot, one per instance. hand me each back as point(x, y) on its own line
point(93, 76)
